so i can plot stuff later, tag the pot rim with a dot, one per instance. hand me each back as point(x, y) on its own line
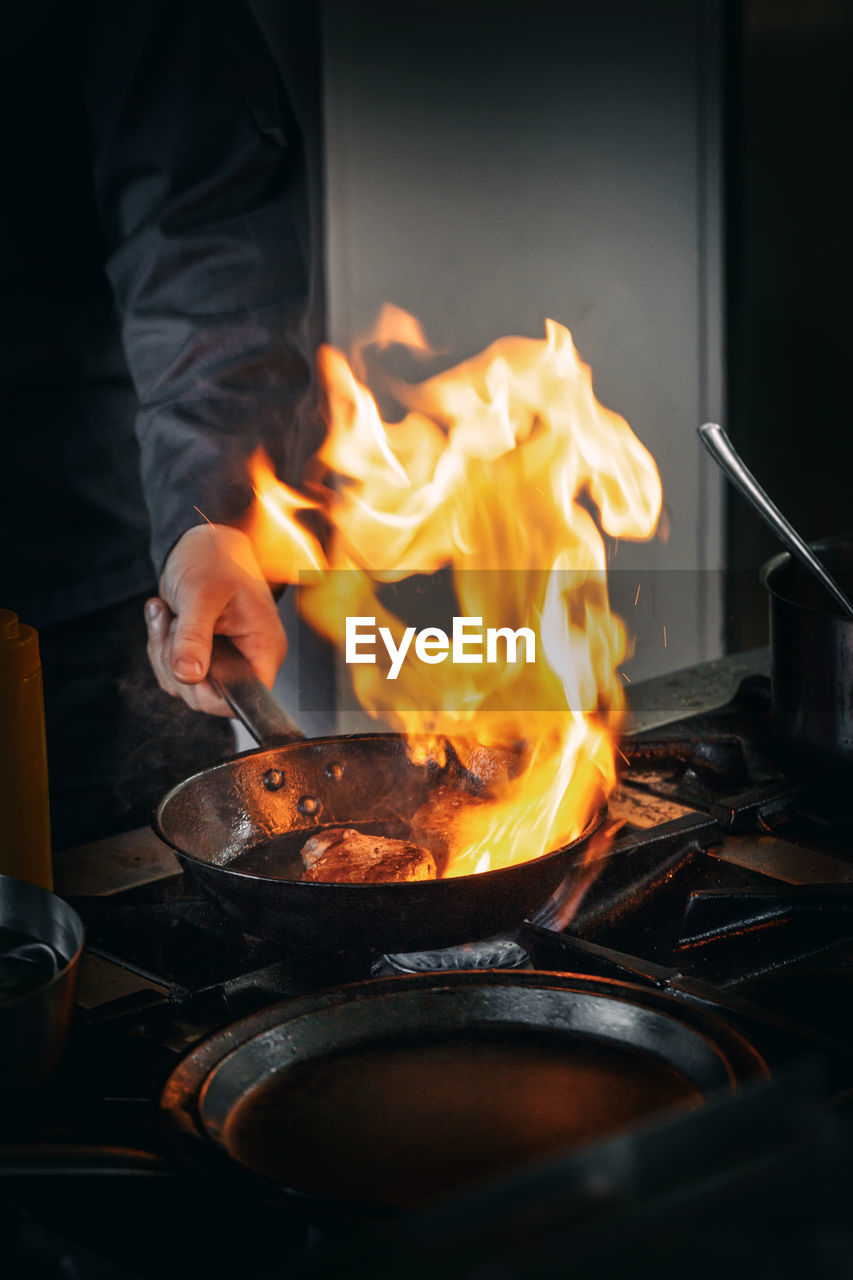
point(784, 559)
point(25, 889)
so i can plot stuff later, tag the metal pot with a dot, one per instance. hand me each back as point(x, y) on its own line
point(34, 1025)
point(811, 660)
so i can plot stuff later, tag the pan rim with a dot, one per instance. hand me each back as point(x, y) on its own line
point(593, 824)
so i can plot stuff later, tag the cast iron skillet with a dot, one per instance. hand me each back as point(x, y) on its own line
point(389, 1093)
point(377, 1097)
point(266, 803)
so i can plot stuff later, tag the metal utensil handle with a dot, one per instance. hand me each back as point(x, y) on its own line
point(726, 456)
point(35, 1160)
point(234, 679)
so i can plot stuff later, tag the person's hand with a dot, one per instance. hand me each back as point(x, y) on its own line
point(211, 585)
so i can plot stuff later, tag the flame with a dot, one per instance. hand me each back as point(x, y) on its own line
point(394, 325)
point(283, 548)
point(492, 470)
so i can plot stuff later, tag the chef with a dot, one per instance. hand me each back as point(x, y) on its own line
point(160, 308)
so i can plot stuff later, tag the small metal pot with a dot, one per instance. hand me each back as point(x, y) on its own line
point(34, 1026)
point(811, 660)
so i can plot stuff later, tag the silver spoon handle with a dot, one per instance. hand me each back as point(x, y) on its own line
point(726, 456)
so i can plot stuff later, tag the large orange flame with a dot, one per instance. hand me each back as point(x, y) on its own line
point(493, 471)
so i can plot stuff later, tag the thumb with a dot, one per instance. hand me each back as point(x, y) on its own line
point(192, 638)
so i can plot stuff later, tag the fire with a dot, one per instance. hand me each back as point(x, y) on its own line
point(282, 547)
point(492, 471)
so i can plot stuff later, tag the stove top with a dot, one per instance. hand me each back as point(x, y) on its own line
point(727, 884)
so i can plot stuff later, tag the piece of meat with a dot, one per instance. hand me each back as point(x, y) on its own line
point(346, 856)
point(435, 823)
point(490, 767)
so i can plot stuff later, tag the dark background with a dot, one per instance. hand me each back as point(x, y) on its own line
point(789, 272)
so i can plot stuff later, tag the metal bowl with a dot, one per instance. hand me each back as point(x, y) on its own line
point(34, 1024)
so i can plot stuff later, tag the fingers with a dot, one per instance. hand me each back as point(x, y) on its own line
point(191, 640)
point(260, 637)
point(160, 624)
point(211, 584)
point(158, 620)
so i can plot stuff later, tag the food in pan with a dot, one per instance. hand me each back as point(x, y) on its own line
point(434, 824)
point(490, 768)
point(344, 855)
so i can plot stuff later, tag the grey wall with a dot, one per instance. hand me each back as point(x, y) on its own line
point(489, 165)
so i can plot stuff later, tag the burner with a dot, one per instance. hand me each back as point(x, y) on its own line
point(492, 953)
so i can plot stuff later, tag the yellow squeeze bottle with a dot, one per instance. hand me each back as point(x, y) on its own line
point(24, 813)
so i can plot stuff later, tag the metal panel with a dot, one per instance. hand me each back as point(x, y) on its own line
point(489, 166)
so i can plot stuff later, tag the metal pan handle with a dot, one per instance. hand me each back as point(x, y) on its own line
point(234, 679)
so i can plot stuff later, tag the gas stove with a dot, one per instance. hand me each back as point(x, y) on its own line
point(727, 884)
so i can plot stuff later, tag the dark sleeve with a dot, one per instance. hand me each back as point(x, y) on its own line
point(200, 184)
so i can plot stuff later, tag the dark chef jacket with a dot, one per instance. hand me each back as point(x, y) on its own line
point(160, 293)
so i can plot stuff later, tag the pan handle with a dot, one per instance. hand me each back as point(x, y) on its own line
point(234, 679)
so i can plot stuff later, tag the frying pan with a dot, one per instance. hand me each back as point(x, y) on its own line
point(394, 1091)
point(237, 829)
